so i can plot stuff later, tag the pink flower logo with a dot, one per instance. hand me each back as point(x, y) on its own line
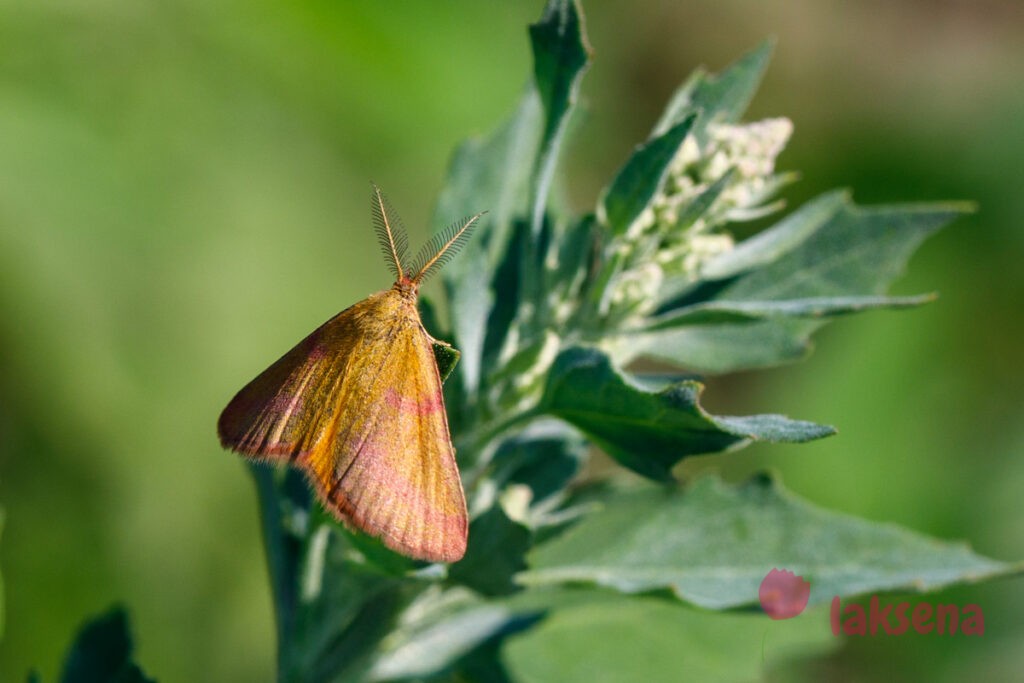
point(783, 594)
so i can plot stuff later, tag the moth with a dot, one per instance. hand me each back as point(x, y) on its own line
point(357, 405)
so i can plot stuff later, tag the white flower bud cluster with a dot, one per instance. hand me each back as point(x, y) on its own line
point(658, 246)
point(751, 147)
point(636, 289)
point(749, 150)
point(701, 249)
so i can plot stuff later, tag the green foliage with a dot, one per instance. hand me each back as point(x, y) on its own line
point(633, 189)
point(447, 358)
point(571, 578)
point(1, 581)
point(709, 545)
point(549, 312)
point(650, 639)
point(102, 652)
point(649, 431)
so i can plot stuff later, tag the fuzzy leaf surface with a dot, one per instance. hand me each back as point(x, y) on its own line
point(712, 544)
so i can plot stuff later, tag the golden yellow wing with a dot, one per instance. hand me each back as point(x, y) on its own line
point(285, 412)
point(358, 405)
point(390, 468)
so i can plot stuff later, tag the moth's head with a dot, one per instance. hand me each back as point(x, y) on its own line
point(407, 287)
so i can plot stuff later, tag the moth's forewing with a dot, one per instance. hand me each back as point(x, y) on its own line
point(358, 405)
point(391, 469)
point(285, 412)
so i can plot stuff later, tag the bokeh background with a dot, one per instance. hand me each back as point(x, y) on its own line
point(183, 195)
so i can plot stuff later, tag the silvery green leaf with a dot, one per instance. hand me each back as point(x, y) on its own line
point(712, 543)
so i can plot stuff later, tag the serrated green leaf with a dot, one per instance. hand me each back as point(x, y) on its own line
point(719, 99)
point(560, 53)
point(638, 180)
point(645, 639)
point(511, 174)
point(650, 431)
point(717, 312)
point(102, 652)
point(713, 543)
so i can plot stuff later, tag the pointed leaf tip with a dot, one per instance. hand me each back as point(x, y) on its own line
point(561, 52)
point(721, 97)
point(561, 55)
point(649, 431)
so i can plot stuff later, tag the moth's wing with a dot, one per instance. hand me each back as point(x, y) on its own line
point(391, 470)
point(287, 410)
point(358, 404)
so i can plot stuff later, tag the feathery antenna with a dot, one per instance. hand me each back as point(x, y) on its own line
point(390, 233)
point(441, 248)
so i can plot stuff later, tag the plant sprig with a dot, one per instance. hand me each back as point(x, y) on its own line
point(549, 311)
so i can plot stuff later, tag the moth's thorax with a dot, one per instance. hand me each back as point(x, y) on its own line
point(395, 306)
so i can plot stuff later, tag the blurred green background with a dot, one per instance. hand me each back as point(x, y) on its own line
point(184, 194)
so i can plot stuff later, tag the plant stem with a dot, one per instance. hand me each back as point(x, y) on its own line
point(281, 560)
